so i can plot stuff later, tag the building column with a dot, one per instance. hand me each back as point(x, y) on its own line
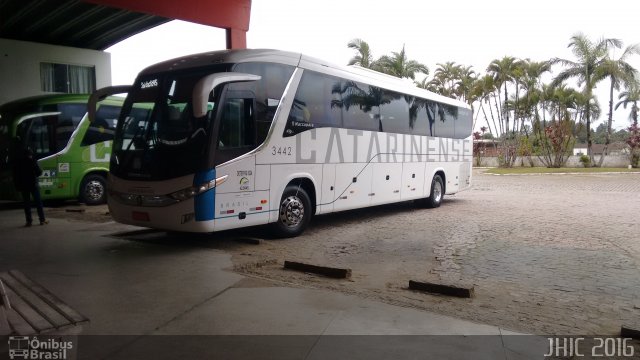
point(236, 39)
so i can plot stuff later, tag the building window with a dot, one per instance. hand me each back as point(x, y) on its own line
point(70, 79)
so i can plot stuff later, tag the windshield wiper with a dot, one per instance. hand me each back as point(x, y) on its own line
point(136, 138)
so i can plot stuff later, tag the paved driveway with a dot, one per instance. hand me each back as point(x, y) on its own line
point(547, 253)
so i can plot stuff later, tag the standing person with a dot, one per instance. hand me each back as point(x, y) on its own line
point(25, 177)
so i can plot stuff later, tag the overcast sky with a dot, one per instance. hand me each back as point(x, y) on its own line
point(465, 31)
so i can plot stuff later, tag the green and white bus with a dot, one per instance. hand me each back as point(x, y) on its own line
point(73, 153)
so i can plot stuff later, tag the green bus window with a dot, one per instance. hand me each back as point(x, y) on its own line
point(36, 134)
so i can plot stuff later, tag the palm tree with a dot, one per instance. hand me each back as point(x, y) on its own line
point(465, 84)
point(532, 84)
point(518, 75)
point(363, 57)
point(630, 96)
point(563, 98)
point(590, 58)
point(621, 73)
point(490, 90)
point(423, 84)
point(444, 78)
point(502, 73)
point(487, 89)
point(398, 65)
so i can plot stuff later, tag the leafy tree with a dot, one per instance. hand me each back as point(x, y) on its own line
point(557, 143)
point(634, 143)
point(632, 96)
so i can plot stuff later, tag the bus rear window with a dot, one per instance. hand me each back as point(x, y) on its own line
point(103, 127)
point(68, 120)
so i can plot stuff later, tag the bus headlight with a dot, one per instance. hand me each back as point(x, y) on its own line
point(196, 190)
point(165, 200)
point(184, 193)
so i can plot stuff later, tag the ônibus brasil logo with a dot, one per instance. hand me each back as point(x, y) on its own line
point(32, 348)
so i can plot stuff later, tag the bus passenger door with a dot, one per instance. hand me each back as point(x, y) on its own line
point(38, 133)
point(237, 201)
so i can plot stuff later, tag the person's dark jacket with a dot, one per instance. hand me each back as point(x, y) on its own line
point(26, 172)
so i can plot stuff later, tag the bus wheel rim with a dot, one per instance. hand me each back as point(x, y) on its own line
point(291, 211)
point(94, 190)
point(437, 192)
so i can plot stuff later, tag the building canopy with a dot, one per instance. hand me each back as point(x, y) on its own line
point(98, 24)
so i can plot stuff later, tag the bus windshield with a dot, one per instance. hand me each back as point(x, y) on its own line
point(158, 137)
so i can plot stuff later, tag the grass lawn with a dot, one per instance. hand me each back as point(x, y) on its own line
point(544, 170)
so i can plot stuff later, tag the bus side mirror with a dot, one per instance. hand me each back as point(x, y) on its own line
point(101, 94)
point(205, 86)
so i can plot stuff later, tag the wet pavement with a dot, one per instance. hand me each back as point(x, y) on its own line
point(546, 254)
point(138, 295)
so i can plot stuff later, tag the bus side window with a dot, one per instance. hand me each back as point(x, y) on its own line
point(421, 120)
point(267, 91)
point(317, 104)
point(463, 124)
point(445, 120)
point(361, 106)
point(394, 113)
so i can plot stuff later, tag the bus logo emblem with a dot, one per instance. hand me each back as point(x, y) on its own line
point(243, 184)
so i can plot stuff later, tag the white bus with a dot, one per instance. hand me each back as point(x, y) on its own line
point(248, 137)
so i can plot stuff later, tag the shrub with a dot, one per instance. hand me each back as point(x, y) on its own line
point(585, 160)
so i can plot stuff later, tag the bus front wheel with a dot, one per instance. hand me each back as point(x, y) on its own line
point(93, 190)
point(294, 212)
point(437, 193)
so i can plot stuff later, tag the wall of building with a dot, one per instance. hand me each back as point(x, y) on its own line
point(621, 161)
point(20, 66)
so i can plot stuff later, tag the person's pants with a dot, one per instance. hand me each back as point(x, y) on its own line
point(26, 197)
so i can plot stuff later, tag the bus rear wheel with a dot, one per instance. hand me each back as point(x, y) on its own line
point(93, 190)
point(294, 212)
point(437, 193)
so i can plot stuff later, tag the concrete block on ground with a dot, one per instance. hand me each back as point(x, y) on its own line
point(629, 332)
point(443, 289)
point(331, 272)
point(75, 210)
point(249, 240)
